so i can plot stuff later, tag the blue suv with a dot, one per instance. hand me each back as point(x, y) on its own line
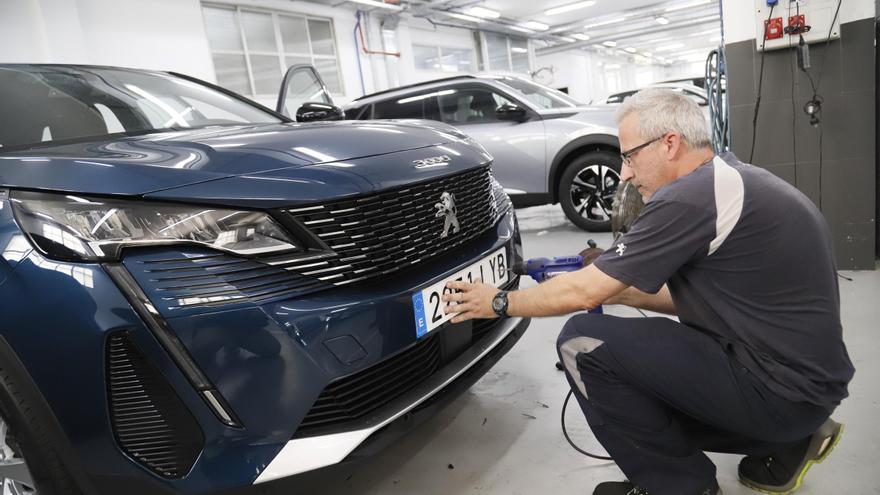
point(198, 293)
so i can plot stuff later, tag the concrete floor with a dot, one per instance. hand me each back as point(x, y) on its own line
point(503, 436)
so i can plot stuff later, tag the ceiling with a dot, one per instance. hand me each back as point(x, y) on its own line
point(648, 31)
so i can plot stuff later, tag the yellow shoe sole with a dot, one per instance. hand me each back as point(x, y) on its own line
point(800, 478)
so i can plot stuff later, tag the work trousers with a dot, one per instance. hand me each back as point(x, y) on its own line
point(659, 394)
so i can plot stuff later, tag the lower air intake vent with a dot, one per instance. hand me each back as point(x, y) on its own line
point(355, 396)
point(151, 424)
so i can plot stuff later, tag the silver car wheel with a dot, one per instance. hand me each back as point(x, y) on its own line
point(592, 191)
point(13, 469)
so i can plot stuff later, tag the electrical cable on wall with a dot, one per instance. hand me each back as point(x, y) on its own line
point(719, 117)
point(760, 84)
point(788, 30)
point(716, 96)
point(813, 107)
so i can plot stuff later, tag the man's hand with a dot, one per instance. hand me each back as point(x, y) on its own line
point(470, 300)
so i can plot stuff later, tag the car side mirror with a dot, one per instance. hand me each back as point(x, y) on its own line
point(311, 111)
point(508, 111)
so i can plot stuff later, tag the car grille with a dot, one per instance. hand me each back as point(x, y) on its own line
point(357, 395)
point(379, 234)
point(369, 236)
point(151, 423)
point(196, 277)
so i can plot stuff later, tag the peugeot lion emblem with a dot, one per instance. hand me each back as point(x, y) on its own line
point(433, 161)
point(446, 210)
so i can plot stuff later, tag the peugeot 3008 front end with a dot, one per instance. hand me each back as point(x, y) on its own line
point(198, 294)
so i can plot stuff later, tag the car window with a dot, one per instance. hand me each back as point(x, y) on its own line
point(538, 95)
point(412, 106)
point(403, 108)
point(40, 104)
point(470, 105)
point(619, 97)
point(698, 99)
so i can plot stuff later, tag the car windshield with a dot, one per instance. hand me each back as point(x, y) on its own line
point(540, 96)
point(40, 104)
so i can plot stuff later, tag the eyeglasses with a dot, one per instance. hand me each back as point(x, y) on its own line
point(627, 155)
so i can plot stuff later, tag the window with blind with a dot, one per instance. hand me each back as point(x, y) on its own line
point(506, 53)
point(252, 49)
point(443, 59)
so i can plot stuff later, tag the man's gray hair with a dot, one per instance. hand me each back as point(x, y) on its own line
point(661, 110)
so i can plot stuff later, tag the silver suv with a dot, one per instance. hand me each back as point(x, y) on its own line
point(548, 147)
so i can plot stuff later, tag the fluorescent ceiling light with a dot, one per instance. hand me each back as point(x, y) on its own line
point(463, 17)
point(612, 66)
point(669, 48)
point(521, 29)
point(567, 39)
point(688, 5)
point(483, 12)
point(630, 49)
point(518, 49)
point(609, 43)
point(605, 23)
point(568, 8)
point(581, 36)
point(537, 26)
point(647, 54)
point(661, 20)
point(377, 3)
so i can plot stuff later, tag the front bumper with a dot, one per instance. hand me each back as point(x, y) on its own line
point(305, 454)
point(269, 362)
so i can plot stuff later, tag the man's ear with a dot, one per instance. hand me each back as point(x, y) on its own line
point(673, 144)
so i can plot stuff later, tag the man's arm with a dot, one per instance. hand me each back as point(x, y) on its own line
point(661, 302)
point(563, 294)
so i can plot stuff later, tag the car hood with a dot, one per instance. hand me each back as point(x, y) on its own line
point(138, 165)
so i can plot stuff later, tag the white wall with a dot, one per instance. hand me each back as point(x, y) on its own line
point(588, 78)
point(740, 25)
point(421, 32)
point(170, 35)
point(158, 34)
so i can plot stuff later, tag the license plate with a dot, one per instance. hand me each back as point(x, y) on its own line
point(428, 305)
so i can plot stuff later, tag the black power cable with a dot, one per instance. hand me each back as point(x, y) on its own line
point(562, 419)
point(760, 84)
point(570, 442)
point(813, 108)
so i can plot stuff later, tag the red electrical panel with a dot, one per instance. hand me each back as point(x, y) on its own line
point(797, 24)
point(773, 29)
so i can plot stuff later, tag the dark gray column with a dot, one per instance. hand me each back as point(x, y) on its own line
point(845, 186)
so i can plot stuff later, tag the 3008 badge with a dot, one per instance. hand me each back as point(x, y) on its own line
point(428, 305)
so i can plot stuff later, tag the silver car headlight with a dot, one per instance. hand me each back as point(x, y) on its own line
point(75, 228)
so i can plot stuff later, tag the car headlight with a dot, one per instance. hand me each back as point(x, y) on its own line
point(74, 228)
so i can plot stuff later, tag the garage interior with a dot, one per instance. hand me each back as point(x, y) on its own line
point(503, 435)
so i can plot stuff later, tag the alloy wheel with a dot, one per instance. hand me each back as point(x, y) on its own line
point(14, 473)
point(592, 192)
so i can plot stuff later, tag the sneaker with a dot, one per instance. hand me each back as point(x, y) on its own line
point(627, 488)
point(784, 472)
point(618, 488)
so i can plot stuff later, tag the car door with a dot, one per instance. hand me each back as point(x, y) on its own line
point(305, 97)
point(518, 145)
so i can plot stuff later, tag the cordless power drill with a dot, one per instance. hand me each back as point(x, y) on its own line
point(541, 269)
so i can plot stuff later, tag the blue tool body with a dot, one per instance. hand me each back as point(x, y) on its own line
point(541, 269)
